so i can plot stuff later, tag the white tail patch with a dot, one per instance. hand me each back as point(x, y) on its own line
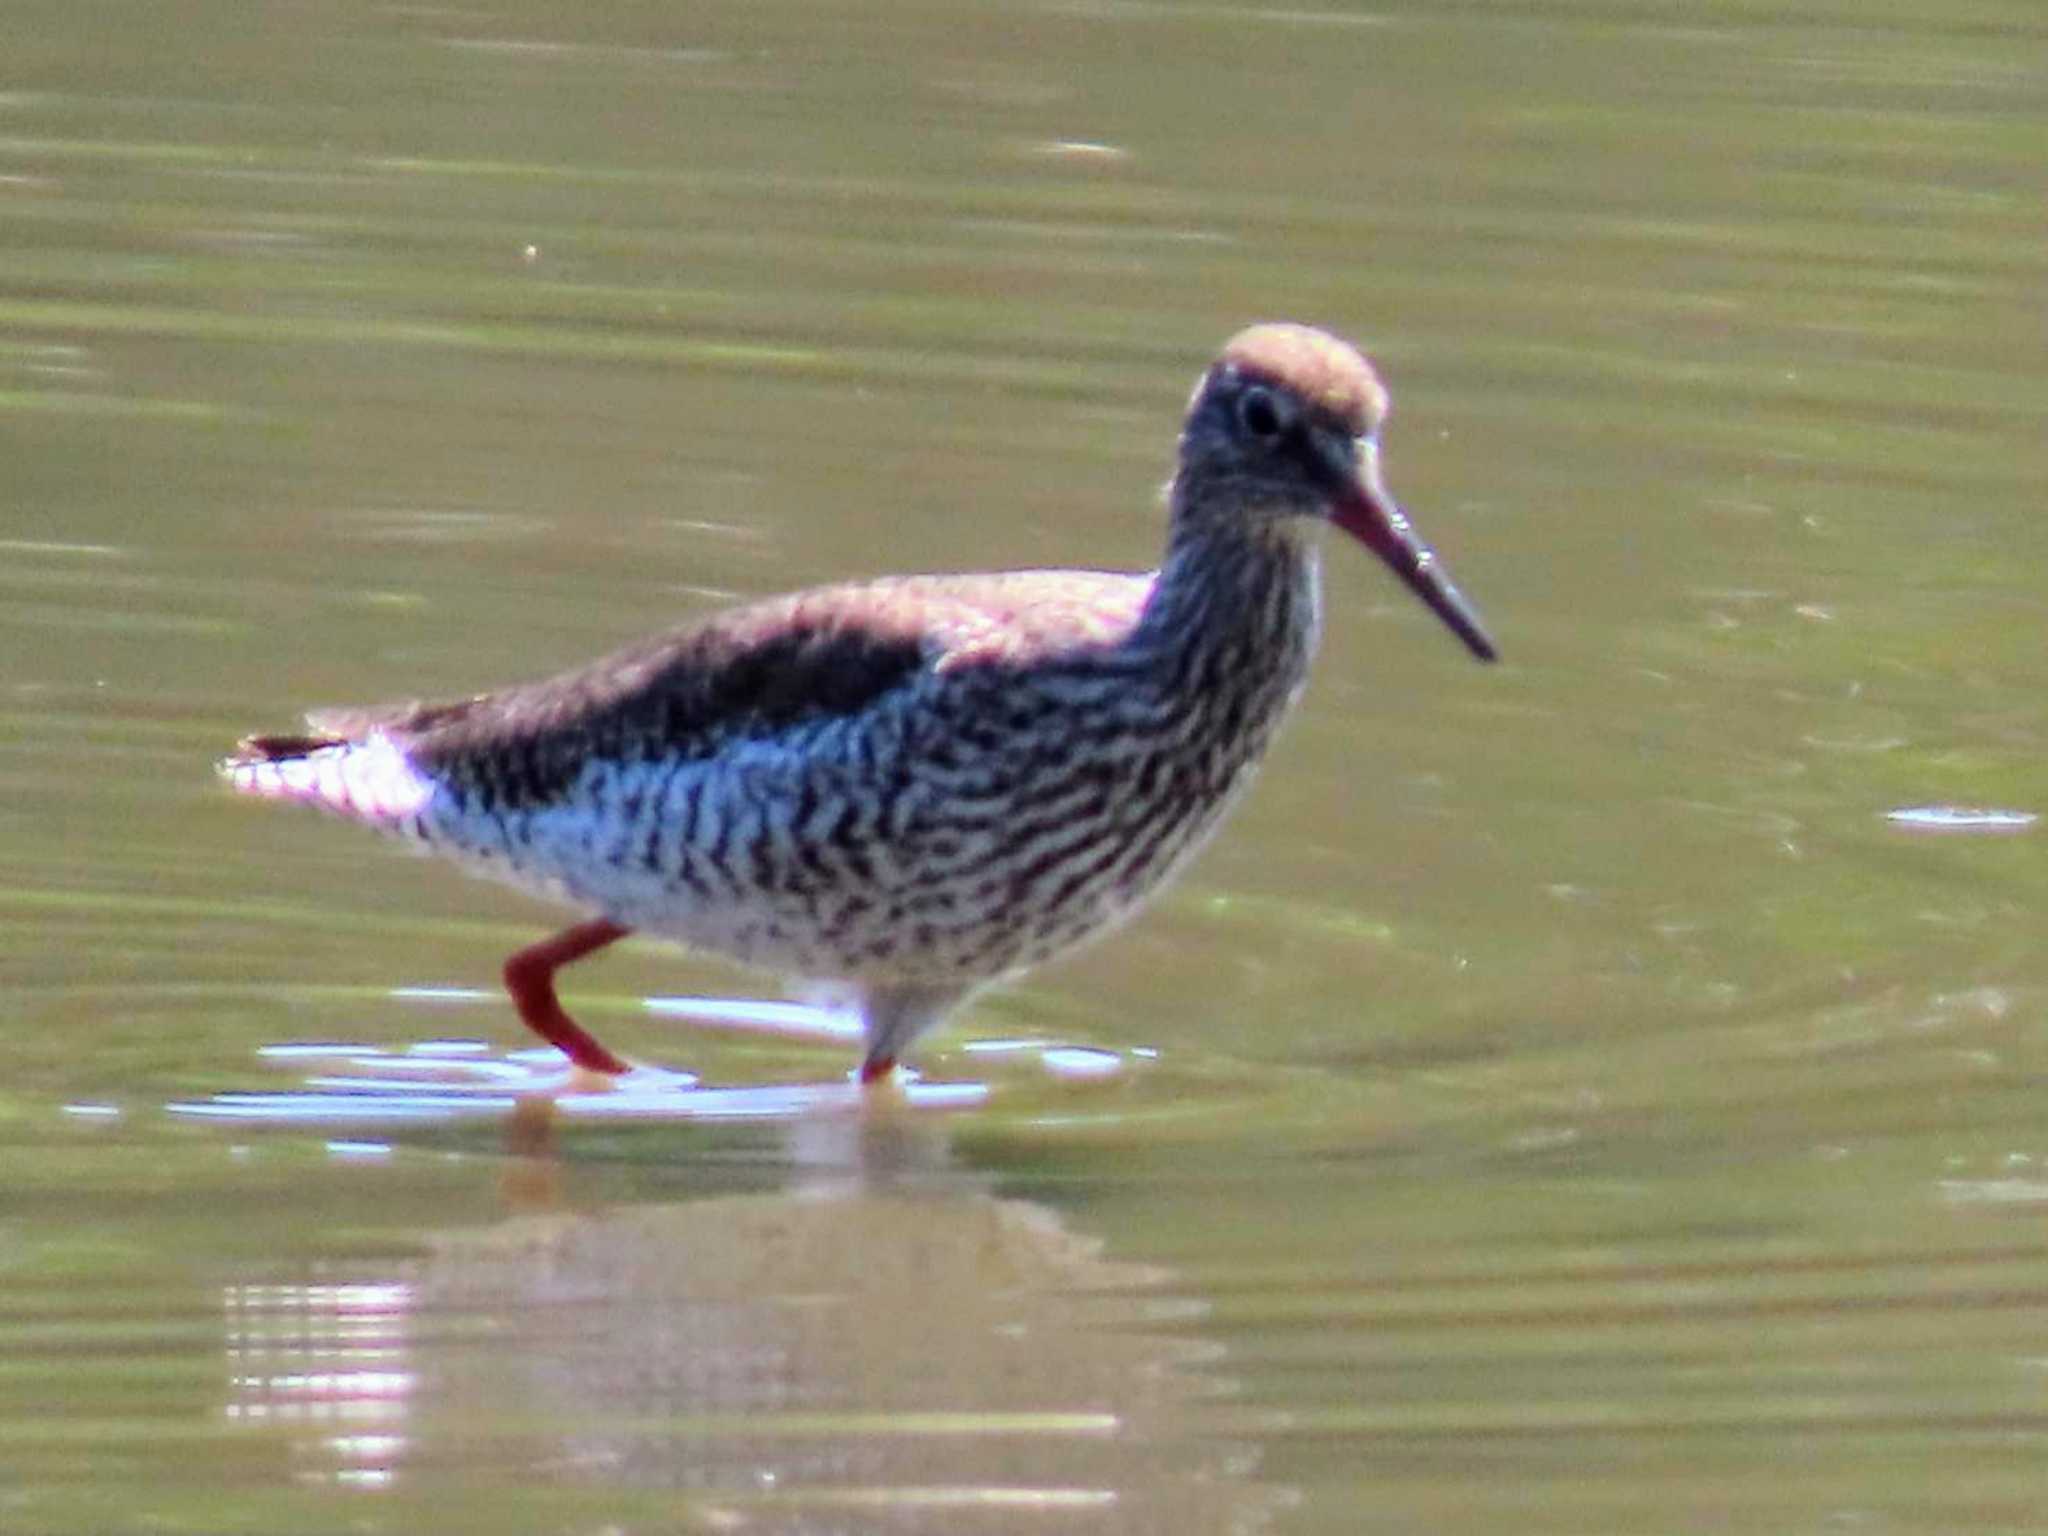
point(369, 780)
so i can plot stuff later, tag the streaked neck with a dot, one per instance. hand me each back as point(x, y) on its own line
point(1239, 593)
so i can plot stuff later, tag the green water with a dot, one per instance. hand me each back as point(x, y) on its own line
point(1575, 1106)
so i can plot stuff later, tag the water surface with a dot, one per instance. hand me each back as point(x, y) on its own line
point(1564, 1100)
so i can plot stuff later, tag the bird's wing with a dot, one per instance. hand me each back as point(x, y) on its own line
point(750, 672)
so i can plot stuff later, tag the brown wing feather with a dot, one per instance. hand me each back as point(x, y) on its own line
point(276, 749)
point(753, 671)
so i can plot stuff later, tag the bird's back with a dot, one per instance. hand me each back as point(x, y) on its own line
point(747, 673)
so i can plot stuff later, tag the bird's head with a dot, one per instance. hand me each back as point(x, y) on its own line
point(1285, 425)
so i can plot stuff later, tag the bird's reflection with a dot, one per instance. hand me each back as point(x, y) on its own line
point(331, 1364)
point(883, 1343)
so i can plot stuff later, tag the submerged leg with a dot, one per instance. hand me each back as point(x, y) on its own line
point(530, 978)
point(893, 1016)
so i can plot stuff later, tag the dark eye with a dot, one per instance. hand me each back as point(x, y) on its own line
point(1260, 414)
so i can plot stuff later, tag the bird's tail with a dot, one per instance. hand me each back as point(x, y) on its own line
point(366, 778)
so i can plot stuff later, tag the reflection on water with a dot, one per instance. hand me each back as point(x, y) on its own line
point(331, 1364)
point(1960, 818)
point(374, 1085)
point(443, 1080)
point(884, 1335)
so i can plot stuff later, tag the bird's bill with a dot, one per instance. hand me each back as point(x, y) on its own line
point(1376, 520)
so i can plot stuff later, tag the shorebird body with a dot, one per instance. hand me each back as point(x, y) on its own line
point(915, 786)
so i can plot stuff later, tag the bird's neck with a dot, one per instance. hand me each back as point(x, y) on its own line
point(1236, 603)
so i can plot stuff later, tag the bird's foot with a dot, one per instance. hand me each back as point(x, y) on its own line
point(876, 1069)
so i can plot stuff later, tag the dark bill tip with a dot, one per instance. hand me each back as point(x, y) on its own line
point(1373, 519)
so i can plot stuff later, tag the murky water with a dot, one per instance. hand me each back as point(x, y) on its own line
point(1563, 1101)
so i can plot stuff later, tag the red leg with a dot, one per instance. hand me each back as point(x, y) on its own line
point(875, 1068)
point(530, 978)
